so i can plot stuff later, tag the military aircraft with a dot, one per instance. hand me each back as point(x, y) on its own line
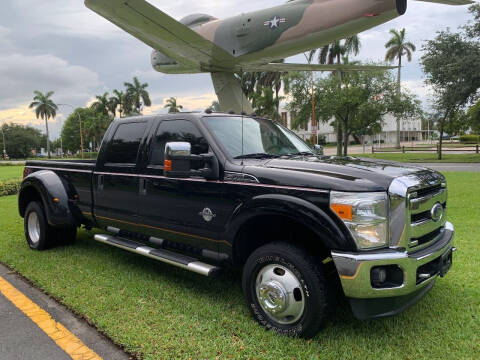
point(248, 42)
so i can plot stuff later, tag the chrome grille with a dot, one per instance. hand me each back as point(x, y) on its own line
point(412, 200)
point(423, 229)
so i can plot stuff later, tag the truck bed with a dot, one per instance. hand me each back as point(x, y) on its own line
point(62, 164)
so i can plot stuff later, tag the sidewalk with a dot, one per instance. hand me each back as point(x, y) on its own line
point(33, 326)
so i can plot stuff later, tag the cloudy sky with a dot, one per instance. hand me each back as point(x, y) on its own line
point(62, 46)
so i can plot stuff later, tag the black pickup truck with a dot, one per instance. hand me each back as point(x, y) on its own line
point(204, 191)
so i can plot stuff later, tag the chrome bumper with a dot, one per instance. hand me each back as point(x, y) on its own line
point(354, 269)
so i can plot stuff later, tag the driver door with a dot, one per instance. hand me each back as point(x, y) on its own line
point(173, 209)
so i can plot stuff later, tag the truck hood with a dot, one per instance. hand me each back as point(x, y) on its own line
point(330, 173)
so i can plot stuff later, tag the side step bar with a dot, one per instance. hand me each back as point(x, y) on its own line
point(169, 257)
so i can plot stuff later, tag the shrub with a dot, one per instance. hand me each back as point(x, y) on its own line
point(10, 187)
point(470, 139)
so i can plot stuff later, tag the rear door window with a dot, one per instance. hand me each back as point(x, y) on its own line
point(123, 149)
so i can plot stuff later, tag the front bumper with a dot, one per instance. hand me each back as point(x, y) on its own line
point(368, 301)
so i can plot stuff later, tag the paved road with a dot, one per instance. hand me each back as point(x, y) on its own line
point(446, 167)
point(22, 339)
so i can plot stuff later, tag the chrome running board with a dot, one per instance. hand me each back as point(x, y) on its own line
point(165, 256)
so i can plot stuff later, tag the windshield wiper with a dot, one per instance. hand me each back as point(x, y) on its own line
point(257, 156)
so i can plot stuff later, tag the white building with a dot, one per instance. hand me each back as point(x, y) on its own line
point(411, 130)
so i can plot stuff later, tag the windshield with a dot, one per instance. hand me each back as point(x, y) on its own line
point(261, 138)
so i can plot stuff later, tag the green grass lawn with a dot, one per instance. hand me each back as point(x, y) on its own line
point(161, 312)
point(425, 157)
point(11, 172)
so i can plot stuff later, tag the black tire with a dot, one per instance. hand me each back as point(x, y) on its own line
point(43, 236)
point(312, 289)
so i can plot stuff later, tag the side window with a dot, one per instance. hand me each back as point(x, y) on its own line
point(124, 146)
point(177, 130)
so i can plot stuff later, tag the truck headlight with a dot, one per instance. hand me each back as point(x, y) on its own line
point(365, 215)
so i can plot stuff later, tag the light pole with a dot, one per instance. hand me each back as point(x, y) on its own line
point(80, 124)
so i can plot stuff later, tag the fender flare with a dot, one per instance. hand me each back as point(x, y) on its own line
point(333, 234)
point(49, 186)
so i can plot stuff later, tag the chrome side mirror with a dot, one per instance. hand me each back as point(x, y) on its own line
point(318, 149)
point(177, 159)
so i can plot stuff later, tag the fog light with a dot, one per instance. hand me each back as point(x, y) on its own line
point(379, 276)
point(386, 277)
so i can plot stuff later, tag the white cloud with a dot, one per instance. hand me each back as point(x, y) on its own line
point(419, 88)
point(25, 74)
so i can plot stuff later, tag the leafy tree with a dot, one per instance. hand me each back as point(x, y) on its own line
point(137, 95)
point(94, 126)
point(473, 28)
point(452, 67)
point(473, 116)
point(21, 140)
point(299, 98)
point(457, 124)
point(45, 108)
point(173, 106)
point(334, 53)
point(398, 47)
point(356, 103)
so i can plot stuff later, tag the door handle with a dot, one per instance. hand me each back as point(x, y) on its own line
point(143, 187)
point(100, 182)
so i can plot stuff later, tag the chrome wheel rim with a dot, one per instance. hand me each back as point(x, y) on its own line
point(280, 294)
point(33, 225)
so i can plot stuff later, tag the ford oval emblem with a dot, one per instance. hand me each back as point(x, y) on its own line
point(437, 212)
point(207, 215)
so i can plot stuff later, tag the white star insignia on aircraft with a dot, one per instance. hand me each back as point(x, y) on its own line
point(275, 22)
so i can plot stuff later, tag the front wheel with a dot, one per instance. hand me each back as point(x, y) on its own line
point(286, 289)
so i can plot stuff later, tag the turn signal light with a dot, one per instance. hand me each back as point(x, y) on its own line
point(167, 165)
point(26, 172)
point(344, 212)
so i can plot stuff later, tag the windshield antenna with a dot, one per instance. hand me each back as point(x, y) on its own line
point(243, 112)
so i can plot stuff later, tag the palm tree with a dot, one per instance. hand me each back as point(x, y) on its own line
point(45, 108)
point(273, 80)
point(102, 105)
point(118, 102)
point(172, 105)
point(397, 47)
point(138, 95)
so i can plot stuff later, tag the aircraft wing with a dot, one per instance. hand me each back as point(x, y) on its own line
point(162, 32)
point(314, 67)
point(450, 2)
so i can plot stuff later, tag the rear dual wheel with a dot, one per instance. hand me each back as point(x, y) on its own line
point(39, 234)
point(286, 290)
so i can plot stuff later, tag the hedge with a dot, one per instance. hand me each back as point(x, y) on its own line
point(470, 139)
point(10, 187)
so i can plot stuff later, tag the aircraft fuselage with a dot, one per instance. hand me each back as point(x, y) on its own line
point(262, 36)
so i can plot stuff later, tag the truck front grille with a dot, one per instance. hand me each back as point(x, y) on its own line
point(423, 230)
